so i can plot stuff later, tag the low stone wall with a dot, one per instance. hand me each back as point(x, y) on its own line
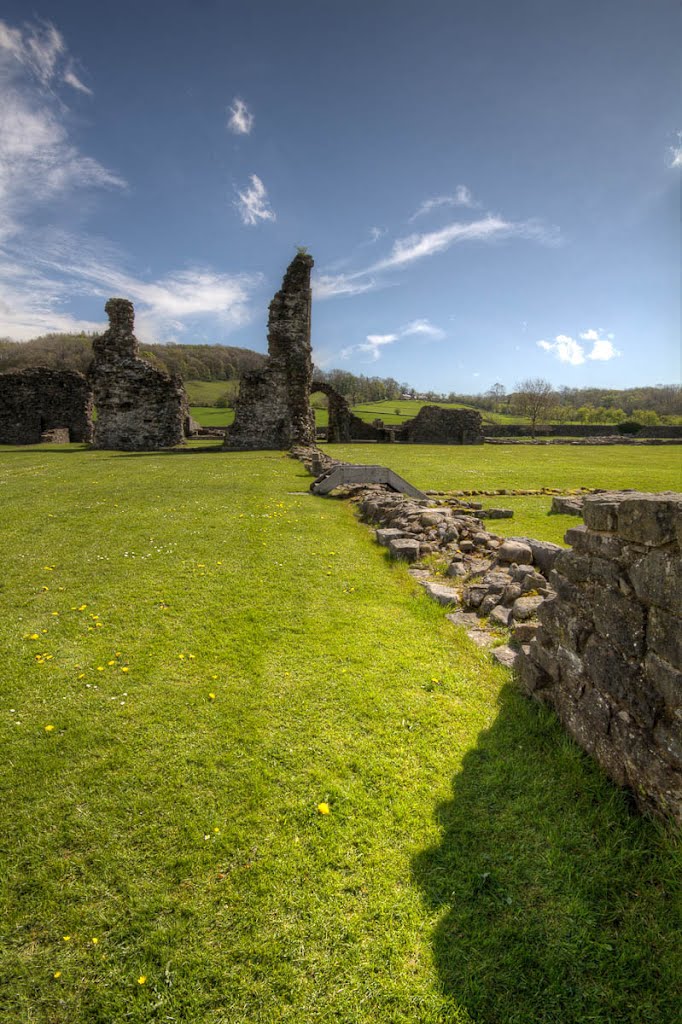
point(608, 655)
point(434, 425)
point(576, 430)
point(39, 403)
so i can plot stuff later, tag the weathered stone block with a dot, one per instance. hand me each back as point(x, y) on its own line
point(589, 542)
point(567, 505)
point(657, 579)
point(623, 679)
point(667, 680)
point(514, 551)
point(500, 616)
point(442, 594)
point(387, 534)
point(405, 549)
point(664, 636)
point(600, 511)
point(526, 607)
point(650, 519)
point(619, 620)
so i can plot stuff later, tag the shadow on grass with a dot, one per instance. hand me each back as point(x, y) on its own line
point(556, 896)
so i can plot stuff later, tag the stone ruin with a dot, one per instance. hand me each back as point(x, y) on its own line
point(139, 408)
point(433, 425)
point(343, 425)
point(273, 406)
point(40, 404)
point(608, 655)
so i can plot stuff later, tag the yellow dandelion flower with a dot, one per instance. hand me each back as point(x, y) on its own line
point(49, 728)
point(117, 654)
point(142, 979)
point(191, 656)
point(82, 675)
point(323, 808)
point(44, 588)
point(181, 657)
point(111, 663)
point(211, 696)
point(67, 938)
point(95, 941)
point(99, 624)
point(124, 668)
point(57, 974)
point(100, 668)
point(82, 607)
point(55, 613)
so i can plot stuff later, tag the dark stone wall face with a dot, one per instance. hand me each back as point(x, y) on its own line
point(39, 402)
point(139, 408)
point(433, 425)
point(608, 655)
point(273, 407)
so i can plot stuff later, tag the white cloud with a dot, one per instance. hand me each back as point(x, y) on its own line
point(376, 233)
point(415, 247)
point(241, 119)
point(424, 328)
point(38, 160)
point(375, 342)
point(568, 350)
point(676, 152)
point(461, 197)
point(36, 292)
point(325, 286)
point(253, 203)
point(72, 79)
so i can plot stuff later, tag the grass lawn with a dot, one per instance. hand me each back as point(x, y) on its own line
point(196, 657)
point(492, 467)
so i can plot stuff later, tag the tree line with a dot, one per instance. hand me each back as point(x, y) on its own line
point(646, 405)
point(74, 352)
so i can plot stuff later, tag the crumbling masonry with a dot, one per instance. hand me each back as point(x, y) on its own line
point(39, 404)
point(139, 408)
point(273, 407)
point(608, 655)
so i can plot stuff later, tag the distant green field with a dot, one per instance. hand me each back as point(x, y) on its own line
point(204, 392)
point(398, 411)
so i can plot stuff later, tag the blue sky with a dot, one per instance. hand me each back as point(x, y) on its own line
point(490, 190)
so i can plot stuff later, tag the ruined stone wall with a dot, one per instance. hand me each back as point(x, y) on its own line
point(39, 402)
point(608, 655)
point(344, 426)
point(433, 425)
point(139, 408)
point(273, 406)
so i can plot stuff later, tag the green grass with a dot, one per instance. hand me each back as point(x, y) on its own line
point(475, 866)
point(408, 409)
point(205, 392)
point(494, 467)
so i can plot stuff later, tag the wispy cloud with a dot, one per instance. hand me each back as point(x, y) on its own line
point(461, 197)
point(253, 204)
point(38, 283)
point(406, 251)
point(568, 350)
point(374, 343)
point(72, 79)
point(675, 153)
point(38, 160)
point(241, 119)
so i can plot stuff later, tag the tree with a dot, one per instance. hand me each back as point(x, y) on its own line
point(534, 398)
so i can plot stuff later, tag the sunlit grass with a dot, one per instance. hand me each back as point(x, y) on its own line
point(197, 658)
